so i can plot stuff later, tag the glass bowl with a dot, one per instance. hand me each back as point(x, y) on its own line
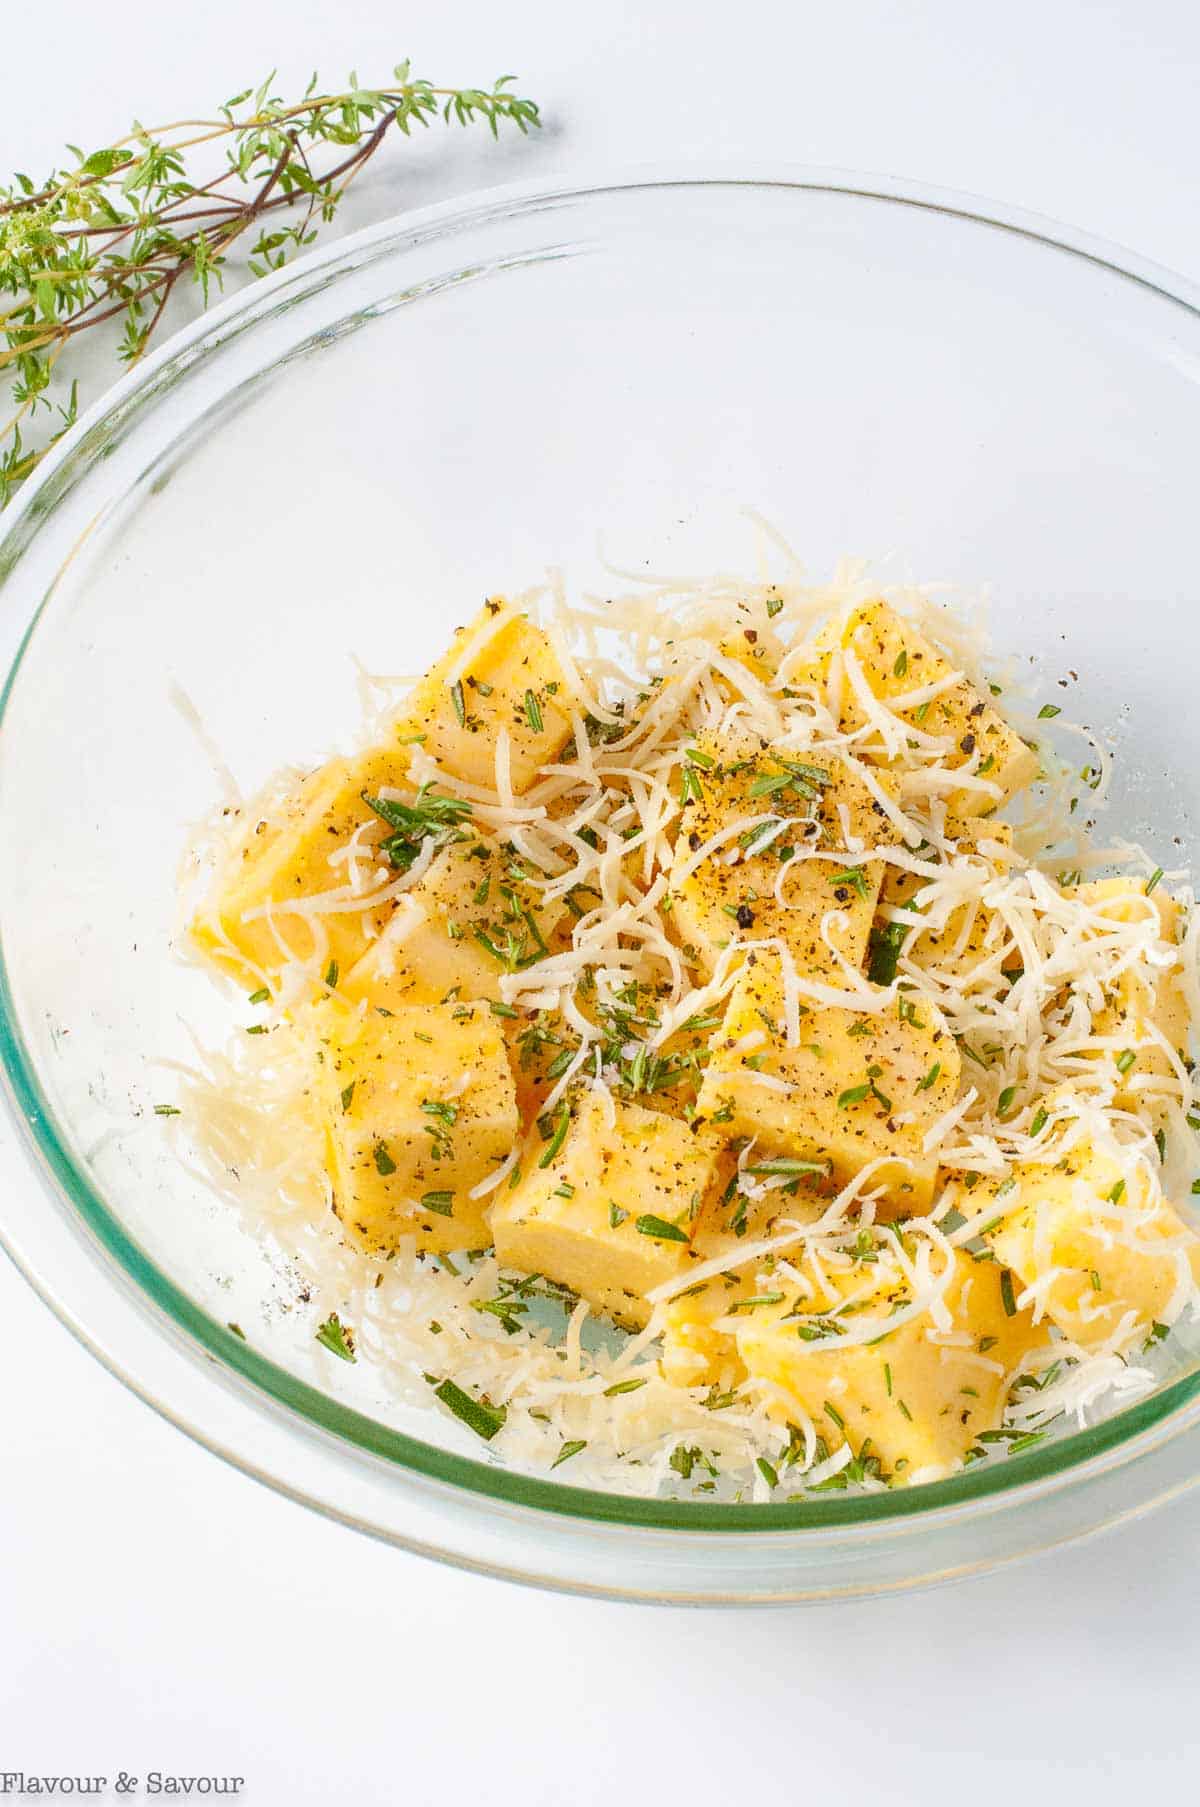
point(340, 461)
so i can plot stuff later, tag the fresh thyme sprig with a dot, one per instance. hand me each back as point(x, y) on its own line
point(110, 238)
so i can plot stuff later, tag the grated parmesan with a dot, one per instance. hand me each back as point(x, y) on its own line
point(1017, 961)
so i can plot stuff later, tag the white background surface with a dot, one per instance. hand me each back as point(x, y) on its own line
point(159, 1611)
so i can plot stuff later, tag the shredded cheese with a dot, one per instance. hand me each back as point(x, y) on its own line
point(1001, 940)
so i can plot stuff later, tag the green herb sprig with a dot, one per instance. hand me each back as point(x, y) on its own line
point(412, 823)
point(109, 237)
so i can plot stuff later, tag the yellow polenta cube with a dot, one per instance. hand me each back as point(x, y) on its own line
point(501, 674)
point(249, 924)
point(1145, 997)
point(897, 661)
point(751, 643)
point(475, 915)
point(859, 1087)
point(804, 671)
point(420, 1110)
point(698, 1344)
point(606, 1208)
point(695, 1353)
point(749, 649)
point(1091, 1236)
point(916, 1397)
point(993, 842)
point(973, 944)
point(539, 1044)
point(795, 807)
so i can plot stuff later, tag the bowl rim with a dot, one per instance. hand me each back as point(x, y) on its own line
point(1064, 1461)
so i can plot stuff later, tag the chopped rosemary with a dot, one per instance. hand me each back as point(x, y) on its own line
point(1007, 1296)
point(790, 1164)
point(690, 788)
point(768, 784)
point(483, 1418)
point(337, 1337)
point(430, 813)
point(658, 1227)
point(558, 1137)
point(883, 953)
point(569, 1449)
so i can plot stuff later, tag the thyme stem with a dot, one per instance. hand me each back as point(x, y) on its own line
point(111, 237)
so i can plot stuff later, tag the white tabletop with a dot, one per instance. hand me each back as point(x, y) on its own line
point(160, 1612)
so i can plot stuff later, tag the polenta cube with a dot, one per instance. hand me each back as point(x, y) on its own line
point(1091, 1238)
point(819, 804)
point(604, 1207)
point(993, 842)
point(539, 1045)
point(859, 1087)
point(695, 1351)
point(249, 925)
point(916, 1397)
point(750, 641)
point(500, 673)
point(973, 944)
point(420, 1110)
point(698, 1343)
point(475, 915)
point(1145, 997)
point(804, 671)
point(898, 662)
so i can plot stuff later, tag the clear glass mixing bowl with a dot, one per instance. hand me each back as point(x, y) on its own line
point(341, 461)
